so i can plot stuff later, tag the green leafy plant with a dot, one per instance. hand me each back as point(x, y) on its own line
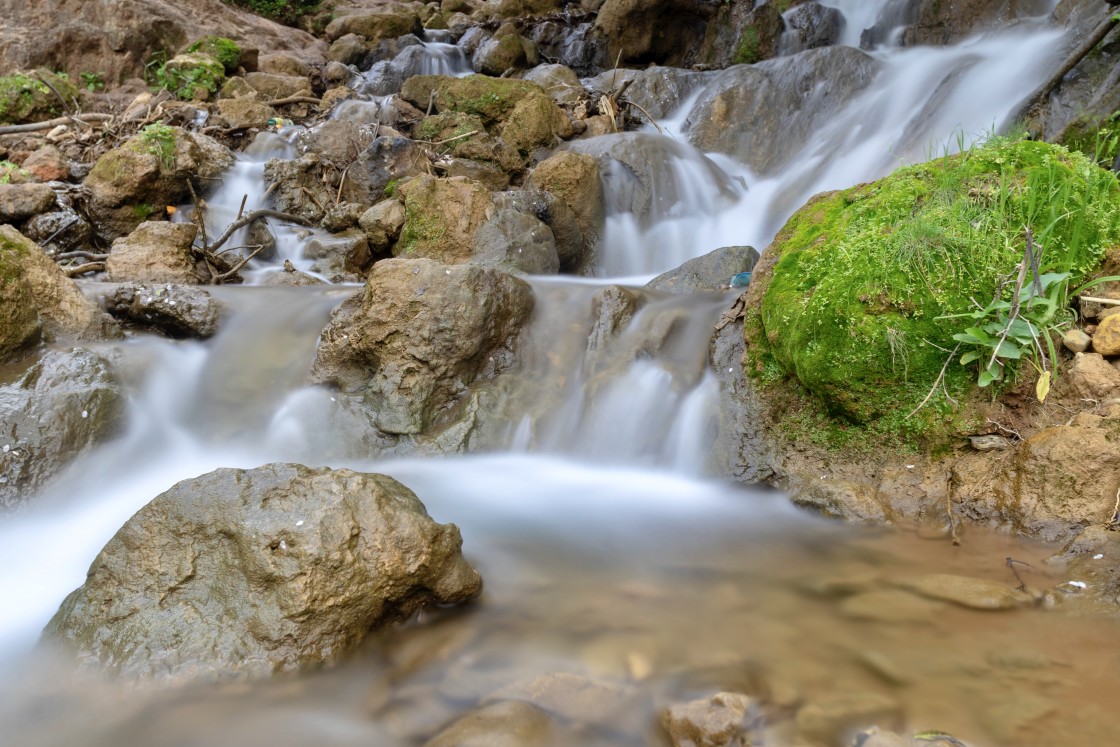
point(92, 81)
point(7, 169)
point(285, 11)
point(159, 140)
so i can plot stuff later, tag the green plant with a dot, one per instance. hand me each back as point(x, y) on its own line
point(220, 48)
point(7, 169)
point(289, 12)
point(159, 140)
point(92, 81)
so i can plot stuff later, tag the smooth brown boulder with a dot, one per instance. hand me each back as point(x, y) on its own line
point(242, 573)
point(156, 252)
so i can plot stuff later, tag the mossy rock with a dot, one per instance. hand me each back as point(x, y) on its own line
point(19, 316)
point(25, 97)
point(850, 299)
point(464, 136)
point(225, 51)
point(490, 99)
point(1098, 139)
point(441, 218)
point(535, 122)
point(194, 76)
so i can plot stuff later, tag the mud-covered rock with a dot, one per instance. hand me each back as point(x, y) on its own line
point(708, 722)
point(175, 310)
point(419, 335)
point(442, 216)
point(156, 252)
point(298, 564)
point(150, 171)
point(785, 100)
point(64, 405)
point(18, 202)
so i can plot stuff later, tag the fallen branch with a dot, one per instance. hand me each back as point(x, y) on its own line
point(50, 124)
point(81, 254)
point(236, 268)
point(295, 100)
point(1102, 301)
point(449, 139)
point(256, 215)
point(83, 269)
point(640, 108)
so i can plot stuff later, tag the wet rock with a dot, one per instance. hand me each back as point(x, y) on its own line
point(1076, 341)
point(339, 254)
point(490, 99)
point(572, 249)
point(891, 606)
point(27, 97)
point(290, 276)
point(974, 593)
point(709, 722)
point(832, 719)
point(175, 310)
point(571, 696)
point(156, 252)
point(535, 122)
point(930, 22)
point(299, 565)
point(785, 100)
point(1106, 340)
point(418, 335)
point(559, 82)
point(490, 175)
point(443, 216)
point(375, 27)
point(64, 405)
point(150, 171)
point(709, 273)
point(507, 724)
point(245, 112)
point(658, 90)
point(642, 31)
point(63, 310)
point(574, 179)
point(1091, 377)
point(809, 26)
point(576, 46)
point(516, 241)
point(18, 202)
point(349, 49)
point(510, 52)
point(19, 319)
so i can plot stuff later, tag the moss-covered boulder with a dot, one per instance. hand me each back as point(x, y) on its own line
point(225, 51)
point(19, 317)
point(490, 99)
point(388, 23)
point(27, 97)
point(441, 218)
point(464, 136)
point(851, 300)
point(193, 76)
point(535, 122)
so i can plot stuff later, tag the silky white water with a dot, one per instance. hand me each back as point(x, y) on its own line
point(604, 548)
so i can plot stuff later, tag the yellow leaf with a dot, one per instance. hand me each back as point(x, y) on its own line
point(1042, 388)
point(171, 209)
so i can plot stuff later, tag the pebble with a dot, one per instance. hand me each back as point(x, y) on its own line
point(990, 442)
point(1076, 340)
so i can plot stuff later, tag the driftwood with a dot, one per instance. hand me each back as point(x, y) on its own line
point(50, 124)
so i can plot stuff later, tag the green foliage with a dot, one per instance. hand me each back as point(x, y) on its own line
point(391, 187)
point(7, 169)
point(92, 81)
point(283, 11)
point(188, 75)
point(142, 211)
point(868, 280)
point(749, 50)
point(21, 96)
point(220, 48)
point(159, 140)
point(1097, 139)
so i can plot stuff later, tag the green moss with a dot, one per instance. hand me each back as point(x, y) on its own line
point(9, 169)
point(862, 275)
point(749, 50)
point(420, 229)
point(490, 99)
point(220, 48)
point(26, 99)
point(391, 187)
point(142, 211)
point(159, 140)
point(190, 76)
point(1097, 139)
point(289, 12)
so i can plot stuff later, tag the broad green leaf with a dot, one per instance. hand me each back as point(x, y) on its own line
point(1008, 349)
point(978, 333)
point(985, 379)
point(969, 357)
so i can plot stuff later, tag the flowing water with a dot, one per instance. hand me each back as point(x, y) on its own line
point(607, 553)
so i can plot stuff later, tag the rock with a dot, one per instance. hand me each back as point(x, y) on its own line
point(46, 165)
point(156, 252)
point(875, 737)
point(574, 179)
point(150, 171)
point(349, 49)
point(990, 442)
point(500, 55)
point(245, 112)
point(290, 276)
point(1091, 377)
point(374, 27)
point(27, 97)
point(809, 26)
point(490, 99)
point(64, 311)
point(559, 82)
point(571, 696)
point(225, 51)
point(535, 122)
point(643, 31)
point(973, 593)
point(1076, 341)
point(808, 87)
point(442, 218)
point(298, 564)
point(573, 250)
point(175, 310)
point(507, 724)
point(419, 334)
point(194, 77)
point(58, 231)
point(339, 254)
point(465, 136)
point(488, 174)
point(709, 722)
point(283, 63)
point(18, 202)
point(117, 38)
point(658, 90)
point(830, 720)
point(64, 406)
point(338, 75)
point(891, 607)
point(516, 241)
point(382, 223)
point(19, 319)
point(1106, 340)
point(271, 86)
point(709, 273)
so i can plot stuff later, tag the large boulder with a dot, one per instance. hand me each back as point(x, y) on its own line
point(441, 218)
point(117, 38)
point(177, 311)
point(150, 171)
point(659, 90)
point(27, 97)
point(254, 572)
point(764, 114)
point(374, 27)
point(156, 252)
point(39, 289)
point(64, 405)
point(667, 32)
point(573, 178)
point(419, 335)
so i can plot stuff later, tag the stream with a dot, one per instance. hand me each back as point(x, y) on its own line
point(607, 549)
